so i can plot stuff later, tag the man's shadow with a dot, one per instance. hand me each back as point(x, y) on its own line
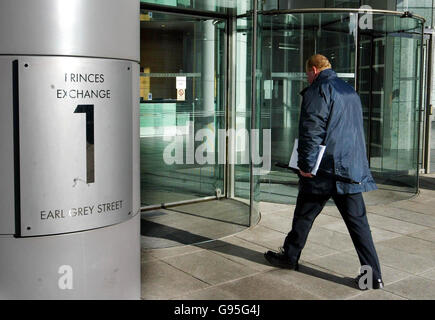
point(157, 230)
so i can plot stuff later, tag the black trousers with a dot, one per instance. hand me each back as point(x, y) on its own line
point(352, 209)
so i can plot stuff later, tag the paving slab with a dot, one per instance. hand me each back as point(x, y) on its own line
point(324, 219)
point(331, 211)
point(173, 251)
point(404, 215)
point(393, 224)
point(210, 293)
point(404, 261)
point(377, 295)
point(263, 236)
point(244, 252)
point(377, 234)
point(324, 284)
point(192, 223)
point(162, 281)
point(266, 286)
point(285, 213)
point(428, 274)
point(146, 256)
point(313, 250)
point(276, 222)
point(157, 242)
point(412, 245)
point(427, 192)
point(287, 219)
point(273, 245)
point(273, 207)
point(233, 267)
point(340, 263)
point(385, 195)
point(349, 266)
point(414, 206)
point(209, 267)
point(331, 239)
point(424, 196)
point(259, 232)
point(427, 234)
point(414, 287)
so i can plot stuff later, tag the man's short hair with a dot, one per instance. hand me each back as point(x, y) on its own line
point(319, 61)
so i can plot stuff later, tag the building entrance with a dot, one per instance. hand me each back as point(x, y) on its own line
point(182, 97)
point(183, 125)
point(379, 53)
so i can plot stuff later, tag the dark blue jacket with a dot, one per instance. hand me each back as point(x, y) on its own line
point(331, 115)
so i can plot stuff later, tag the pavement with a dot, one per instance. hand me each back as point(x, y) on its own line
point(233, 267)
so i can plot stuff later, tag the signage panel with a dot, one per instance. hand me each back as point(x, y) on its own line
point(75, 120)
point(7, 205)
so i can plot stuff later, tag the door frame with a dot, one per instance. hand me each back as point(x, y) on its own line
point(428, 108)
point(226, 193)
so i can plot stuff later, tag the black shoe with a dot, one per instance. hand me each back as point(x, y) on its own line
point(377, 283)
point(280, 260)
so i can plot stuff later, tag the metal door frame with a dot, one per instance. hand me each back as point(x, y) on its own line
point(428, 108)
point(228, 35)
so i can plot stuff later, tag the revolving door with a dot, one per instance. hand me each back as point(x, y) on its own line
point(378, 53)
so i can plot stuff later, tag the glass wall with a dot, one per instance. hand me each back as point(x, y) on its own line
point(424, 8)
point(246, 121)
point(195, 138)
point(287, 41)
point(221, 6)
point(389, 86)
point(188, 106)
point(305, 4)
point(182, 92)
point(382, 61)
point(243, 103)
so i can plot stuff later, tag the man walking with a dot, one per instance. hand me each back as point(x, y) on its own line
point(331, 115)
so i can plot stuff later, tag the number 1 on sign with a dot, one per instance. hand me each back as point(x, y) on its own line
point(88, 109)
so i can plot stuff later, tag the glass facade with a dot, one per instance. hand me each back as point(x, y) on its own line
point(391, 96)
point(205, 120)
point(287, 41)
point(389, 92)
point(182, 106)
point(247, 120)
point(221, 6)
point(243, 104)
point(184, 117)
point(424, 8)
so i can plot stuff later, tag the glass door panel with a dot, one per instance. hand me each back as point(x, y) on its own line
point(182, 92)
point(389, 86)
point(288, 41)
point(241, 6)
point(386, 57)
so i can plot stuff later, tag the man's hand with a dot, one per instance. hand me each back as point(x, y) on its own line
point(306, 175)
